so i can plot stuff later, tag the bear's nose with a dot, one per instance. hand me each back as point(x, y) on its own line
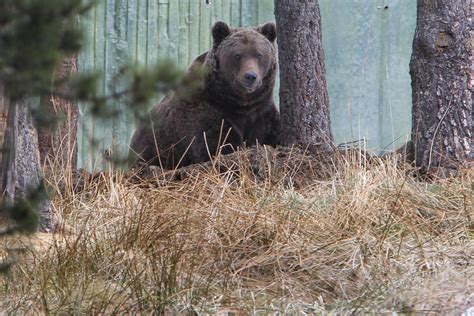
point(250, 77)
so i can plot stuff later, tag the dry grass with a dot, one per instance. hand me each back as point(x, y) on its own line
point(369, 239)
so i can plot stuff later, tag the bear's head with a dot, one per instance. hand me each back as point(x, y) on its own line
point(245, 58)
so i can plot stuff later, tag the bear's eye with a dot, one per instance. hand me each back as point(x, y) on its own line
point(259, 56)
point(237, 56)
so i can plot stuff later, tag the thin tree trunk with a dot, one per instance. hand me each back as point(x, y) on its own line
point(20, 165)
point(6, 175)
point(303, 91)
point(441, 71)
point(58, 145)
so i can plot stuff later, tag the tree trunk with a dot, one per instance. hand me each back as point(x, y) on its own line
point(5, 162)
point(58, 145)
point(441, 71)
point(303, 91)
point(20, 165)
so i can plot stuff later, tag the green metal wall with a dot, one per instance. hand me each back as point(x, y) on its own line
point(367, 46)
point(367, 49)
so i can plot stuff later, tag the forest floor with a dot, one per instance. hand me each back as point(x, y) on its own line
point(263, 231)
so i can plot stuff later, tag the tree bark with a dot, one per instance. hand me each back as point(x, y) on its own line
point(441, 71)
point(5, 143)
point(58, 145)
point(20, 165)
point(303, 90)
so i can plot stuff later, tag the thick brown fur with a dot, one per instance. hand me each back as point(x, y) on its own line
point(234, 105)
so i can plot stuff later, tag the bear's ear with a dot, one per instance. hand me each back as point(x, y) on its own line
point(268, 30)
point(220, 31)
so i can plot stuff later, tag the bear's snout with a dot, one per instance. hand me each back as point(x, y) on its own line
point(250, 78)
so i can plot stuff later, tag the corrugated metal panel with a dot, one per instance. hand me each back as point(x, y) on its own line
point(367, 52)
point(367, 49)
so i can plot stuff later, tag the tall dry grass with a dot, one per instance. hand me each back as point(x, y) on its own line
point(369, 239)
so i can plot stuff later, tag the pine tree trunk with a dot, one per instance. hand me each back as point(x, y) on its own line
point(5, 161)
point(303, 91)
point(58, 145)
point(441, 71)
point(20, 163)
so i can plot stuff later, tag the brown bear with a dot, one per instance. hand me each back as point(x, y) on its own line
point(233, 105)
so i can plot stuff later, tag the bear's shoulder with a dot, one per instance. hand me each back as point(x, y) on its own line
point(196, 68)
